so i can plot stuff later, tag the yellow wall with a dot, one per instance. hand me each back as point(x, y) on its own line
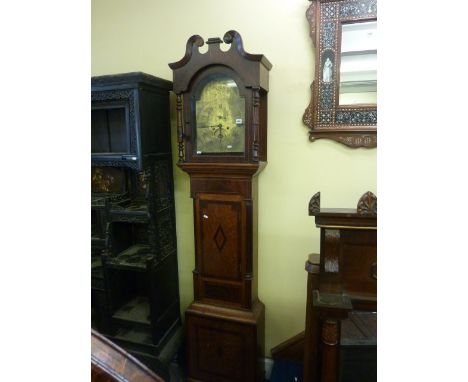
point(146, 35)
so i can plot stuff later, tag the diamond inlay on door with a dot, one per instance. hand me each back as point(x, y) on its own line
point(220, 238)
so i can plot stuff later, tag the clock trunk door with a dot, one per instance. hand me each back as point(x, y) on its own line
point(220, 249)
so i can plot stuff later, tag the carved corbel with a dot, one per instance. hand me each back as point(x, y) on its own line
point(314, 204)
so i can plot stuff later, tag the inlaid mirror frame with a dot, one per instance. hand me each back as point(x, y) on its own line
point(352, 125)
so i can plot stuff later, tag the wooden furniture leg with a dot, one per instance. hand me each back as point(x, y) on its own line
point(330, 351)
point(312, 327)
point(330, 308)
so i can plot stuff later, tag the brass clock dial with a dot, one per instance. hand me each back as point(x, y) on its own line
point(220, 117)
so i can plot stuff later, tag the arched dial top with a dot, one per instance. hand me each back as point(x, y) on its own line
point(222, 99)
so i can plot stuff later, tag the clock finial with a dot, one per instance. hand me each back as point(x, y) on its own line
point(193, 43)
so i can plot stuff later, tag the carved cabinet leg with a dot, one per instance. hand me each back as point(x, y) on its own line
point(330, 349)
point(311, 350)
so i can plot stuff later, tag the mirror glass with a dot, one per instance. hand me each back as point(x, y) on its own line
point(358, 69)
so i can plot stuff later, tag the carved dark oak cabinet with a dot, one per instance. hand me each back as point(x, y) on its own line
point(135, 296)
point(222, 130)
point(341, 321)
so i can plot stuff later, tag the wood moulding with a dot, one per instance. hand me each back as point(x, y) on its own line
point(366, 207)
point(110, 363)
point(246, 169)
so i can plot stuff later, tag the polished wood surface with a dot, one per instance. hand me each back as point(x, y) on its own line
point(225, 323)
point(110, 363)
point(250, 72)
point(227, 342)
point(341, 281)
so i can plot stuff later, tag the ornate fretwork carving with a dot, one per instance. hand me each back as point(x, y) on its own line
point(143, 179)
point(153, 238)
point(328, 36)
point(324, 115)
point(367, 205)
point(124, 217)
point(358, 9)
point(99, 96)
point(311, 14)
point(327, 92)
point(308, 117)
point(113, 163)
point(355, 117)
point(329, 11)
point(357, 140)
point(166, 233)
point(106, 96)
point(148, 179)
point(314, 204)
point(330, 332)
point(163, 184)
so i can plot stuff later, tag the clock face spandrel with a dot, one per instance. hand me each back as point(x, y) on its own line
point(220, 117)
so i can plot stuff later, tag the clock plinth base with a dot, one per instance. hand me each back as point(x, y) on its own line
point(225, 344)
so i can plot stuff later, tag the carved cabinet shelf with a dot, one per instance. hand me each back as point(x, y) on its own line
point(135, 297)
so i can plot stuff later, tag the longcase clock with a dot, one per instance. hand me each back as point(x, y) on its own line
point(222, 136)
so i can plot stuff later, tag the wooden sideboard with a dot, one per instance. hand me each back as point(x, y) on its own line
point(341, 290)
